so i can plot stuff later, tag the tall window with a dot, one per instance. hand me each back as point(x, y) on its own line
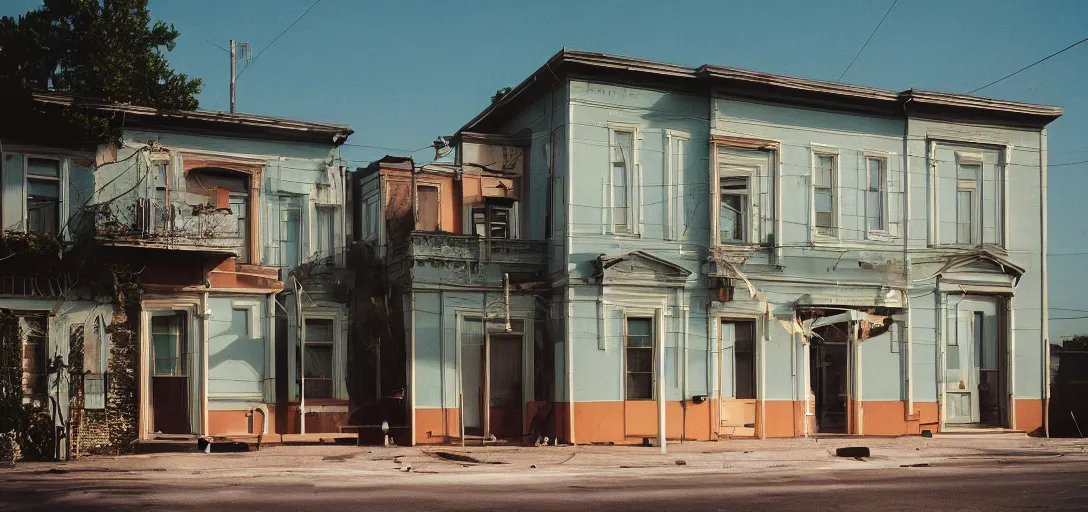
point(494, 219)
point(876, 194)
point(640, 359)
point(239, 206)
point(43, 195)
point(622, 163)
point(427, 208)
point(326, 238)
point(318, 334)
point(289, 231)
point(35, 358)
point(967, 210)
point(161, 212)
point(372, 217)
point(169, 345)
point(733, 217)
point(825, 195)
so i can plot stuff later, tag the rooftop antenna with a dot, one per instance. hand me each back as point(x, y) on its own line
point(246, 53)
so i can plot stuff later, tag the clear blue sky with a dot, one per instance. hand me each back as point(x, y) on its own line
point(404, 72)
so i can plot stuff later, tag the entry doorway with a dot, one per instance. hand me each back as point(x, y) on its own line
point(492, 380)
point(829, 378)
point(975, 383)
point(170, 382)
point(737, 382)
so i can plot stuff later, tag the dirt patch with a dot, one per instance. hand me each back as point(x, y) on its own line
point(339, 458)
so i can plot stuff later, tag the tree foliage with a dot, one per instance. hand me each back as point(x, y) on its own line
point(109, 50)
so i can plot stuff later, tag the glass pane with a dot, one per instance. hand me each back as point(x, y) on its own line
point(823, 200)
point(968, 172)
point(824, 170)
point(289, 231)
point(731, 222)
point(44, 188)
point(43, 167)
point(640, 360)
point(318, 388)
point(875, 210)
point(239, 207)
point(641, 327)
point(500, 223)
point(619, 185)
point(318, 361)
point(640, 386)
point(621, 152)
point(744, 363)
point(319, 330)
point(479, 221)
point(165, 353)
point(965, 216)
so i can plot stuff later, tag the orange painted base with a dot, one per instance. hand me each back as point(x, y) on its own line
point(239, 422)
point(437, 426)
point(316, 422)
point(887, 418)
point(1029, 416)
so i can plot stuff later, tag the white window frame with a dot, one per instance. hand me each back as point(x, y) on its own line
point(964, 158)
point(674, 181)
point(62, 192)
point(817, 151)
point(632, 227)
point(339, 356)
point(969, 152)
point(751, 220)
point(652, 317)
point(884, 230)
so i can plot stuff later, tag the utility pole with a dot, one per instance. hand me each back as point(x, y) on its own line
point(232, 67)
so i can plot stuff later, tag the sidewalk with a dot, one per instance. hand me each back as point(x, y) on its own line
point(495, 462)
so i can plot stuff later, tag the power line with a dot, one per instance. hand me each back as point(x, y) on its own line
point(1014, 73)
point(278, 38)
point(1068, 163)
point(867, 40)
point(409, 151)
point(215, 45)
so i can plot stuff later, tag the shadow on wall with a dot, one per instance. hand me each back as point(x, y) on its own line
point(1068, 389)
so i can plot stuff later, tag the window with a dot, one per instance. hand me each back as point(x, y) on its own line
point(239, 206)
point(427, 208)
point(622, 163)
point(640, 359)
point(734, 216)
point(744, 360)
point(824, 194)
point(325, 231)
point(94, 365)
point(43, 195)
point(162, 212)
point(35, 358)
point(967, 210)
point(494, 219)
point(318, 356)
point(289, 231)
point(169, 345)
point(876, 194)
point(372, 218)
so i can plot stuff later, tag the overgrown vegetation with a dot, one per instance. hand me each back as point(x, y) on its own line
point(106, 50)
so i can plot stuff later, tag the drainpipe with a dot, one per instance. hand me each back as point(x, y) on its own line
point(412, 364)
point(908, 330)
point(567, 270)
point(1042, 272)
point(301, 355)
point(204, 314)
point(660, 320)
point(1012, 362)
point(855, 345)
point(762, 355)
point(570, 364)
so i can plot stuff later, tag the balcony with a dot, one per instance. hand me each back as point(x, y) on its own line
point(421, 245)
point(177, 227)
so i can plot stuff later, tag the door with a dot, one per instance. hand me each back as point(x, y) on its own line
point(170, 375)
point(504, 385)
point(737, 379)
point(829, 373)
point(472, 357)
point(974, 363)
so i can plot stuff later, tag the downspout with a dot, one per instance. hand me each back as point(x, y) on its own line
point(566, 269)
point(204, 318)
point(762, 355)
point(711, 392)
point(859, 376)
point(660, 384)
point(1012, 361)
point(908, 331)
point(301, 355)
point(1042, 272)
point(412, 363)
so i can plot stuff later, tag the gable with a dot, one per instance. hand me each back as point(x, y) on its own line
point(641, 268)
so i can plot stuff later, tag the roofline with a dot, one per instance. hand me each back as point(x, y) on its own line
point(797, 90)
point(334, 133)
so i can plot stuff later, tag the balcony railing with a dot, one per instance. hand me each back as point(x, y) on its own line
point(174, 226)
point(447, 246)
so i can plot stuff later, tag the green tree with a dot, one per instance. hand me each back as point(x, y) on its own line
point(108, 50)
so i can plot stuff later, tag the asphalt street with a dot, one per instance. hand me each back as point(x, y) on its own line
point(1037, 483)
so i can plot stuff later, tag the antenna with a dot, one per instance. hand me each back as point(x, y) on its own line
point(238, 49)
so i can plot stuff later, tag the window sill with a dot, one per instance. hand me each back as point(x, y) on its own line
point(629, 236)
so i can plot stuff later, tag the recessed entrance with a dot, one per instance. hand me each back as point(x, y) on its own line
point(170, 397)
point(975, 380)
point(829, 370)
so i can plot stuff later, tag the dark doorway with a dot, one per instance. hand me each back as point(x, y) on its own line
point(828, 371)
point(170, 374)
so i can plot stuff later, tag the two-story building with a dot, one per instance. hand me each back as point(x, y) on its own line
point(727, 253)
point(220, 222)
